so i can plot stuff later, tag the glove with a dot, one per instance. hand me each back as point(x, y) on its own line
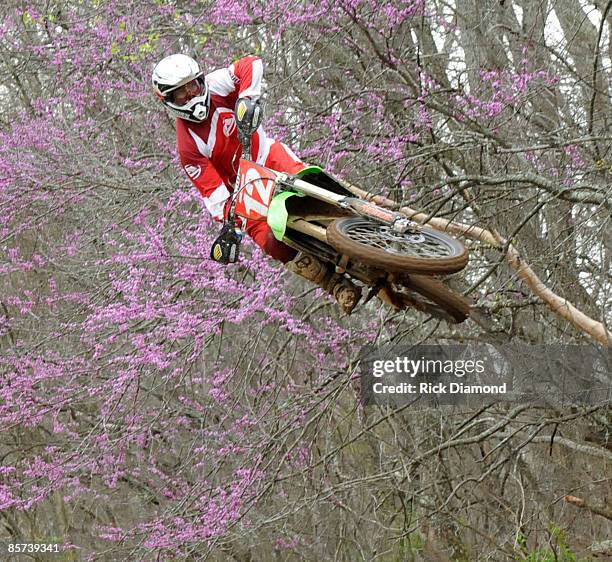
point(249, 114)
point(226, 247)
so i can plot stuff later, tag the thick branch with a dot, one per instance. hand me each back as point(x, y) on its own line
point(578, 447)
point(579, 502)
point(579, 194)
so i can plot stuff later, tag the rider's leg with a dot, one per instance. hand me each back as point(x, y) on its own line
point(281, 158)
point(305, 265)
point(262, 235)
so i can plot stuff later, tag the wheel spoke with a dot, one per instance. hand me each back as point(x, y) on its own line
point(422, 245)
point(378, 245)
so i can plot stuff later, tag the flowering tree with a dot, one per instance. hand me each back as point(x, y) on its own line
point(155, 405)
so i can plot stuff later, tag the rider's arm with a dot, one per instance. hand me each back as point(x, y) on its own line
point(204, 176)
point(244, 77)
point(247, 73)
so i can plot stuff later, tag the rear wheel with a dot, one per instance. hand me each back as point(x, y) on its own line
point(437, 292)
point(375, 244)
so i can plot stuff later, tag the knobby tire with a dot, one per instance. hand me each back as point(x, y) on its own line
point(341, 234)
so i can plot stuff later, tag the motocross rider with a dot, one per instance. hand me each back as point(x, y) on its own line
point(209, 150)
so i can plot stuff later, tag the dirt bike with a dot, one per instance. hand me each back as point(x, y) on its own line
point(316, 213)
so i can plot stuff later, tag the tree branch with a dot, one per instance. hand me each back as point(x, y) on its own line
point(579, 502)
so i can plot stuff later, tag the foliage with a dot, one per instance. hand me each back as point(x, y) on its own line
point(558, 552)
point(155, 405)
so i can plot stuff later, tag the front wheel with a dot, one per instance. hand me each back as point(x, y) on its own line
point(426, 251)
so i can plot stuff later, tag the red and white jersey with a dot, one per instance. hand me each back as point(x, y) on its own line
point(210, 151)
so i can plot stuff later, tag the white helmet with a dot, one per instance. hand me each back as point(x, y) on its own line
point(172, 73)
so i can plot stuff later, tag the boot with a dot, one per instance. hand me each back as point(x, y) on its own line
point(309, 267)
point(346, 293)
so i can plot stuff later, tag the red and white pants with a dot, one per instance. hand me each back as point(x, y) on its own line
point(281, 159)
